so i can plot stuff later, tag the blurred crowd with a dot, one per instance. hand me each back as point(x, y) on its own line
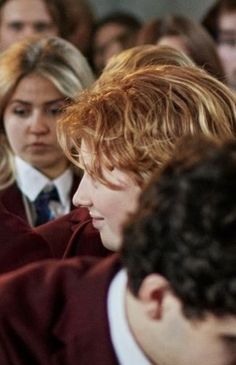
point(117, 178)
point(211, 44)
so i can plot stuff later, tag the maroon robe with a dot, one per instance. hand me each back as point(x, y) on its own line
point(70, 235)
point(56, 313)
point(19, 244)
point(73, 235)
point(11, 198)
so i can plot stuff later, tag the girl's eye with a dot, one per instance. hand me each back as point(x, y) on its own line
point(56, 110)
point(231, 42)
point(21, 112)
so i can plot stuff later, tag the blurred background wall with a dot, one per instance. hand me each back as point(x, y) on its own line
point(146, 9)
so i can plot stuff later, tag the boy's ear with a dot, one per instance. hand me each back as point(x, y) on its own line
point(151, 294)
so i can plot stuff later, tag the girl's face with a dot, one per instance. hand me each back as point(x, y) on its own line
point(227, 45)
point(30, 120)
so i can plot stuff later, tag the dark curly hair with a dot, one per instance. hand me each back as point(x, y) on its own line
point(185, 229)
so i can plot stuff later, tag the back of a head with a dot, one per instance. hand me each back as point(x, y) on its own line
point(143, 56)
point(80, 17)
point(122, 18)
point(58, 10)
point(133, 123)
point(71, 16)
point(112, 34)
point(184, 228)
point(197, 43)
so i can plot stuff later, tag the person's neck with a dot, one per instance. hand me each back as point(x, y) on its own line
point(54, 171)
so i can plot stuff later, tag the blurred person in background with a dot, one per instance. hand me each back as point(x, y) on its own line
point(142, 56)
point(187, 36)
point(220, 21)
point(38, 77)
point(69, 19)
point(23, 18)
point(80, 17)
point(111, 35)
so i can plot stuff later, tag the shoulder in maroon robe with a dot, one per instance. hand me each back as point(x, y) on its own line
point(73, 235)
point(56, 313)
point(19, 244)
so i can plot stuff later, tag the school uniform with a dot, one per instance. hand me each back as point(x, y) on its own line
point(73, 235)
point(63, 315)
point(20, 197)
point(19, 244)
point(70, 235)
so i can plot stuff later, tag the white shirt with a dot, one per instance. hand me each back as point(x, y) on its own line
point(31, 182)
point(127, 350)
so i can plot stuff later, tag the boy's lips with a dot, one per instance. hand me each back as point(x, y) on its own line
point(97, 221)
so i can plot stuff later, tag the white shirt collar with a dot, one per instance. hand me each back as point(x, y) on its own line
point(126, 348)
point(32, 181)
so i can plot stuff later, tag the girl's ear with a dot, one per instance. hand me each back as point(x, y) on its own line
point(151, 294)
